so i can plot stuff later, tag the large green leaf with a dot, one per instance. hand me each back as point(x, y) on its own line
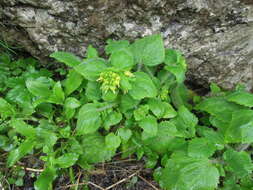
point(95, 152)
point(239, 163)
point(6, 109)
point(242, 98)
point(23, 149)
point(161, 109)
point(91, 68)
point(112, 141)
point(241, 127)
point(143, 87)
point(91, 52)
point(219, 107)
point(93, 91)
point(21, 96)
point(175, 64)
point(58, 95)
point(163, 138)
point(88, 119)
point(180, 95)
point(149, 50)
point(73, 81)
point(149, 126)
point(185, 122)
point(22, 128)
point(122, 59)
point(113, 46)
point(45, 180)
point(39, 87)
point(184, 173)
point(111, 119)
point(201, 148)
point(70, 105)
point(66, 160)
point(65, 57)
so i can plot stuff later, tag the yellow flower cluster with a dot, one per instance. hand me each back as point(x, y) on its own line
point(164, 94)
point(110, 81)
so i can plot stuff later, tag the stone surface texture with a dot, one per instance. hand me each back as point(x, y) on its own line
point(216, 36)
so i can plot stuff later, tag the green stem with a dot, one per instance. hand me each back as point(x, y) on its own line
point(106, 107)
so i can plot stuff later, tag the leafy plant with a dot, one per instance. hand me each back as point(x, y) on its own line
point(134, 102)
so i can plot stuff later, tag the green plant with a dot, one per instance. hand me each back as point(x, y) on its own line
point(135, 102)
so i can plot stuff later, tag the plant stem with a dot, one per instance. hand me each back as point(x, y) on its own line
point(106, 107)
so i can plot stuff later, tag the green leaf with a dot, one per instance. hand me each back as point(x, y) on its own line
point(239, 163)
point(39, 87)
point(127, 102)
point(73, 81)
point(170, 112)
point(68, 58)
point(157, 107)
point(91, 52)
point(174, 58)
point(184, 173)
point(58, 95)
point(141, 112)
point(88, 120)
point(21, 96)
point(149, 50)
point(161, 109)
point(95, 152)
point(6, 109)
point(214, 88)
point(240, 129)
point(72, 103)
point(23, 149)
point(125, 134)
point(149, 126)
point(164, 137)
point(91, 68)
point(45, 180)
point(175, 64)
point(242, 98)
point(143, 87)
point(113, 46)
point(185, 122)
point(45, 137)
point(112, 141)
point(122, 59)
point(219, 107)
point(111, 119)
point(93, 91)
point(216, 138)
point(180, 96)
point(66, 160)
point(200, 148)
point(22, 128)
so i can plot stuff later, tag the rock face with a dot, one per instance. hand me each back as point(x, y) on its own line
point(216, 36)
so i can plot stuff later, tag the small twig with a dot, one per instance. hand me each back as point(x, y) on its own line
point(150, 184)
point(78, 180)
point(243, 147)
point(123, 180)
point(29, 169)
point(85, 183)
point(97, 186)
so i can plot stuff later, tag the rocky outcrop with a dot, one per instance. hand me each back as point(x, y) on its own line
point(216, 36)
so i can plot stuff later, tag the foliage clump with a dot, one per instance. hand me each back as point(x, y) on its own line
point(134, 102)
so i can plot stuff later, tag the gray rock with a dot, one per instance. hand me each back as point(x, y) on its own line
point(216, 36)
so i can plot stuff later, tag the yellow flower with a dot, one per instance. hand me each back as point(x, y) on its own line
point(129, 74)
point(110, 81)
